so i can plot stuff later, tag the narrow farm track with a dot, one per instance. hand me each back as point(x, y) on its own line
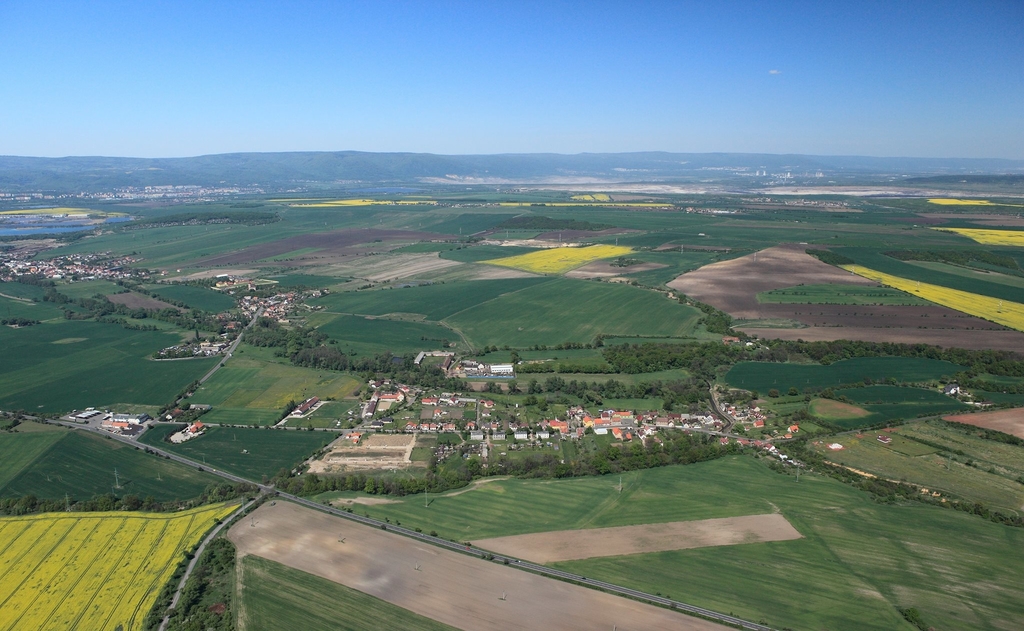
point(471, 550)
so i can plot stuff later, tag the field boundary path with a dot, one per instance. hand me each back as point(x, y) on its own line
point(195, 559)
point(471, 550)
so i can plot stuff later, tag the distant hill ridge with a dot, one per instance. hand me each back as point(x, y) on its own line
point(280, 170)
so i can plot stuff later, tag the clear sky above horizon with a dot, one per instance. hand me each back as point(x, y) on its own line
point(160, 79)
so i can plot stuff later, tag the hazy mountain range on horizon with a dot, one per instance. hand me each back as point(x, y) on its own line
point(333, 169)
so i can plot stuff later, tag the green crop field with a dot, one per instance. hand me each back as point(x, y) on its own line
point(275, 596)
point(371, 336)
point(479, 253)
point(24, 308)
point(839, 295)
point(764, 376)
point(892, 402)
point(857, 563)
point(88, 288)
point(65, 365)
point(877, 261)
point(566, 310)
point(195, 297)
point(21, 290)
point(974, 274)
point(250, 453)
point(436, 301)
point(468, 223)
point(53, 461)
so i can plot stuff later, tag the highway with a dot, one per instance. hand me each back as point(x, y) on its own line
point(450, 545)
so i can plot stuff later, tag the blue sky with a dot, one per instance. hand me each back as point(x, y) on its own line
point(933, 79)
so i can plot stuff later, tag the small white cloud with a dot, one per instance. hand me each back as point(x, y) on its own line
point(774, 72)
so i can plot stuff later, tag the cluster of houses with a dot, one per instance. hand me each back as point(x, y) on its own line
point(307, 407)
point(71, 266)
point(276, 307)
point(202, 349)
point(188, 433)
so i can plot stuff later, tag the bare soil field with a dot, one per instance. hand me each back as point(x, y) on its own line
point(972, 340)
point(1006, 421)
point(458, 590)
point(379, 451)
point(330, 245)
point(139, 301)
point(494, 272)
point(572, 545)
point(836, 410)
point(733, 285)
point(604, 269)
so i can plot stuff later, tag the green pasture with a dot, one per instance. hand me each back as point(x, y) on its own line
point(254, 386)
point(371, 336)
point(275, 596)
point(567, 310)
point(436, 301)
point(58, 461)
point(764, 376)
point(60, 366)
point(858, 561)
point(909, 461)
point(196, 297)
point(268, 450)
point(838, 295)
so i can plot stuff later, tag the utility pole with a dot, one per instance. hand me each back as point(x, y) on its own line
point(117, 481)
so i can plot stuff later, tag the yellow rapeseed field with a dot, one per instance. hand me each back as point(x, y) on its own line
point(603, 204)
point(558, 260)
point(336, 203)
point(595, 197)
point(1010, 314)
point(92, 570)
point(990, 237)
point(948, 201)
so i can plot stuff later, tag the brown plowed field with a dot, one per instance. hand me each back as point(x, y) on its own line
point(733, 285)
point(1006, 421)
point(456, 589)
point(139, 301)
point(331, 246)
point(571, 545)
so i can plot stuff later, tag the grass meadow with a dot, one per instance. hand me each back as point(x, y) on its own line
point(250, 453)
point(275, 596)
point(763, 376)
point(50, 461)
point(567, 310)
point(65, 365)
point(858, 561)
point(907, 460)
